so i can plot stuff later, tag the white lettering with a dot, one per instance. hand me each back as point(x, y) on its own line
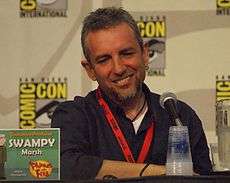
point(17, 143)
point(26, 152)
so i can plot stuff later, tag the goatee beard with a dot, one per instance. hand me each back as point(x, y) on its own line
point(124, 99)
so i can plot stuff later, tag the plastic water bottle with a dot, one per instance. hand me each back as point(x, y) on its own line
point(179, 161)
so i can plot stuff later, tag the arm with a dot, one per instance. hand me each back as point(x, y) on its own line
point(78, 159)
point(122, 169)
point(198, 143)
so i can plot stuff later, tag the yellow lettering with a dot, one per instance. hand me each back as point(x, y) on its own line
point(27, 124)
point(28, 5)
point(222, 90)
point(27, 88)
point(219, 98)
point(223, 93)
point(160, 29)
point(25, 95)
point(41, 90)
point(223, 86)
point(61, 90)
point(27, 115)
point(27, 104)
point(223, 3)
point(51, 90)
point(152, 29)
point(141, 27)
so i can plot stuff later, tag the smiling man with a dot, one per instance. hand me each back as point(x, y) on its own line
point(119, 130)
point(117, 63)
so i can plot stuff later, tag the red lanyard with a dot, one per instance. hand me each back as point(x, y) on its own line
point(120, 137)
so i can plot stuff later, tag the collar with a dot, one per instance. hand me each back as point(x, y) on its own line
point(152, 100)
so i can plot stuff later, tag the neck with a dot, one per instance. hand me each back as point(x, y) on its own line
point(132, 106)
point(135, 106)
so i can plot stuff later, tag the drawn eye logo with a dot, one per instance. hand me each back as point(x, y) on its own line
point(40, 169)
point(44, 114)
point(155, 47)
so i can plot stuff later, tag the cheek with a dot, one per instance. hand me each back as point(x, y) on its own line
point(101, 74)
point(136, 65)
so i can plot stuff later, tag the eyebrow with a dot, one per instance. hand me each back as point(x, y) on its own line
point(120, 52)
point(127, 49)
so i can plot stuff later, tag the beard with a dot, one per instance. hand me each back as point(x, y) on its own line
point(124, 96)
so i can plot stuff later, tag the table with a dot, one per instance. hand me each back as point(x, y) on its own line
point(214, 178)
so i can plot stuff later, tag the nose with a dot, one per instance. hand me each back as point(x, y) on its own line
point(118, 66)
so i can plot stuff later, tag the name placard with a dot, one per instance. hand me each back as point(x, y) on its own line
point(32, 154)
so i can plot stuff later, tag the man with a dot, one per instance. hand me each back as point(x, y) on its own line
point(120, 127)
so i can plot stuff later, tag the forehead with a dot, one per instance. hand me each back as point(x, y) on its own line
point(112, 37)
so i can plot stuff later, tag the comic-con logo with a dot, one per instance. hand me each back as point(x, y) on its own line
point(152, 27)
point(222, 88)
point(223, 7)
point(153, 32)
point(43, 8)
point(38, 100)
point(40, 169)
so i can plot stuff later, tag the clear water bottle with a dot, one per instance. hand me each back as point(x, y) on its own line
point(223, 132)
point(179, 161)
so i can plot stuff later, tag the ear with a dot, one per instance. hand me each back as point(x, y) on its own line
point(145, 54)
point(89, 69)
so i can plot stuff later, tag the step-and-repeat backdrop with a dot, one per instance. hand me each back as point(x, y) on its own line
point(40, 54)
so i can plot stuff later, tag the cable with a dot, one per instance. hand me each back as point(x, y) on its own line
point(143, 169)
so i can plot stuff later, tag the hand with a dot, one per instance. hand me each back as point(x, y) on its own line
point(153, 170)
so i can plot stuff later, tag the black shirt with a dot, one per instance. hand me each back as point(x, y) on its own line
point(87, 138)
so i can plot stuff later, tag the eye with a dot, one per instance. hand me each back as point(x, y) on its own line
point(151, 53)
point(127, 53)
point(102, 60)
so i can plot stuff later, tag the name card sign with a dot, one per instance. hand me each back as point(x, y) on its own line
point(32, 154)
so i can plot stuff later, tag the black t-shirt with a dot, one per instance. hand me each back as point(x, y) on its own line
point(87, 138)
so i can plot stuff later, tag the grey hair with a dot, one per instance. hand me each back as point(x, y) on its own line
point(104, 18)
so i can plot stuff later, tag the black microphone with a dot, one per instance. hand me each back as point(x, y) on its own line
point(168, 101)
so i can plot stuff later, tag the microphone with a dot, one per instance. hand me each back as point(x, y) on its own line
point(168, 101)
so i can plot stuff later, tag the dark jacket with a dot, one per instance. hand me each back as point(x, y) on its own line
point(87, 139)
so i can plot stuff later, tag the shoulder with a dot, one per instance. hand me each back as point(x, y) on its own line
point(78, 110)
point(186, 113)
point(78, 103)
point(182, 106)
point(153, 97)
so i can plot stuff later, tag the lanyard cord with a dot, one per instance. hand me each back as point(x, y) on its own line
point(139, 112)
point(119, 135)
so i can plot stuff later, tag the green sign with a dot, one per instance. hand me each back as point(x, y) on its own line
point(30, 154)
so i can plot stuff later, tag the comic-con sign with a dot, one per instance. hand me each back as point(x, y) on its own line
point(222, 102)
point(43, 8)
point(38, 99)
point(222, 88)
point(223, 7)
point(153, 32)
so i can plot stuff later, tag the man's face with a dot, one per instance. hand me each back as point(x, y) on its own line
point(116, 61)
